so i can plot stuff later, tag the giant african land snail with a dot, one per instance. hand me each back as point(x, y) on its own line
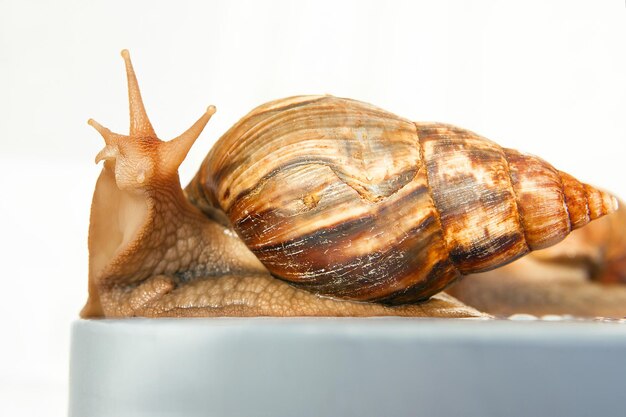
point(360, 211)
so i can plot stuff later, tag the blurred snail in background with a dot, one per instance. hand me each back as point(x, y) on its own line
point(315, 205)
point(582, 276)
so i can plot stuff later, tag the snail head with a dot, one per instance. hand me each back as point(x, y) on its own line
point(141, 158)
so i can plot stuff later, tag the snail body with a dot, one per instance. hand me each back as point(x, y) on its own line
point(334, 196)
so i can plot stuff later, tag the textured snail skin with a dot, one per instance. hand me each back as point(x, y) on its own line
point(315, 205)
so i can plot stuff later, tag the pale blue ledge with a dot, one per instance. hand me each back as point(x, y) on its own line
point(346, 367)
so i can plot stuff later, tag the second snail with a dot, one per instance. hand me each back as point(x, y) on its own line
point(315, 205)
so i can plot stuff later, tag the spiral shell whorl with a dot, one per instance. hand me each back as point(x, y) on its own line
point(497, 204)
point(331, 195)
point(471, 187)
point(552, 203)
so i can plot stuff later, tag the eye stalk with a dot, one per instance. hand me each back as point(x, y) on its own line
point(173, 153)
point(139, 121)
point(139, 156)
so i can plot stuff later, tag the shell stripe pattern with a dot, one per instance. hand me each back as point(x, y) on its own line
point(359, 203)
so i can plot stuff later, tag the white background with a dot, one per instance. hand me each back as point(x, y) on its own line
point(543, 77)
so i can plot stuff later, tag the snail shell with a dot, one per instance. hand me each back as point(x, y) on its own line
point(348, 200)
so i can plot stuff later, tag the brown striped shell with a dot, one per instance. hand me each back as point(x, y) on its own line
point(348, 200)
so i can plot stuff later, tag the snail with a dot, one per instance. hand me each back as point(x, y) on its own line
point(315, 205)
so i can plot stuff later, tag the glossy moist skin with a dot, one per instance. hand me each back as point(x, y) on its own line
point(348, 200)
